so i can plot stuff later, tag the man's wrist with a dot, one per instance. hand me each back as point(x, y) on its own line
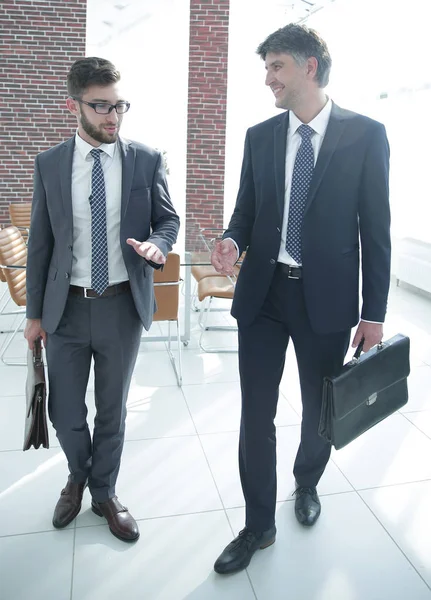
point(235, 244)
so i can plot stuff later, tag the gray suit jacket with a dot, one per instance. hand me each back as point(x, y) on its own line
point(146, 214)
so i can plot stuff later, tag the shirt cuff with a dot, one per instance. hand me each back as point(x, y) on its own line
point(376, 322)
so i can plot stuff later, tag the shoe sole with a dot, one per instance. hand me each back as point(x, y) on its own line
point(123, 539)
point(241, 568)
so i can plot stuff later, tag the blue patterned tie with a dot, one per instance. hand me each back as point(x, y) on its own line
point(301, 179)
point(99, 240)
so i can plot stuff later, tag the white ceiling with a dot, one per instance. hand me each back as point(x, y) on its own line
point(112, 18)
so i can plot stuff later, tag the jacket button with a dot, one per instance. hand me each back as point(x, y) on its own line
point(67, 275)
point(70, 247)
point(272, 261)
point(278, 229)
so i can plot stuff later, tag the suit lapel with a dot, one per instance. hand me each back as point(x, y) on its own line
point(128, 155)
point(333, 133)
point(65, 170)
point(280, 141)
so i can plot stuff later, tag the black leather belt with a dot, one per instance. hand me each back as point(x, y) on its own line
point(291, 271)
point(112, 290)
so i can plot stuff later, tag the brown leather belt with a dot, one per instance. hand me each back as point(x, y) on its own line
point(112, 290)
point(291, 271)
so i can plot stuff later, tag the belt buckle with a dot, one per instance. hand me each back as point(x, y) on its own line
point(85, 293)
point(289, 274)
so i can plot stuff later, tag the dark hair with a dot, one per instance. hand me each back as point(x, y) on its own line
point(301, 43)
point(90, 71)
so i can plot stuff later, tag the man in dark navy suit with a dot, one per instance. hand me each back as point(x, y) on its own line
point(313, 198)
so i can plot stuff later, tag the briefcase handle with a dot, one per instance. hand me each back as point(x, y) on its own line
point(361, 347)
point(37, 352)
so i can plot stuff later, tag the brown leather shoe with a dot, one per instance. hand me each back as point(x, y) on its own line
point(69, 504)
point(120, 521)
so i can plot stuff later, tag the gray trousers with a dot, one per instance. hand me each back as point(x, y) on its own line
point(109, 331)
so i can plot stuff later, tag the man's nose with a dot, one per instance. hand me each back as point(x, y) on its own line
point(269, 78)
point(112, 116)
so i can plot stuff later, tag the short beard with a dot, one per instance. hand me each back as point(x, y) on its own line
point(99, 135)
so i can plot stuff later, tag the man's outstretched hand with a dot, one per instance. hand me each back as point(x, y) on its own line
point(224, 257)
point(148, 251)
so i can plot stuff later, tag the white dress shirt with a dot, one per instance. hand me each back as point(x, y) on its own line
point(81, 189)
point(319, 124)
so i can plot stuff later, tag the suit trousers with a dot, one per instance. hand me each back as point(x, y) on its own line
point(262, 351)
point(107, 330)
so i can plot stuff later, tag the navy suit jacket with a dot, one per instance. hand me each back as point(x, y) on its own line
point(146, 214)
point(346, 219)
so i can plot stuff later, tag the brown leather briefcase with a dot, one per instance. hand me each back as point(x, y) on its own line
point(36, 429)
point(368, 389)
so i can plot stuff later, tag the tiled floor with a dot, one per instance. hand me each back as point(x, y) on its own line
point(179, 477)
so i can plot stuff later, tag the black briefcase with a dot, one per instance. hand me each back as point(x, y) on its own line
point(368, 389)
point(36, 428)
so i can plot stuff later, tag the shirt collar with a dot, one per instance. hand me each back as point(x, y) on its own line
point(85, 148)
point(319, 123)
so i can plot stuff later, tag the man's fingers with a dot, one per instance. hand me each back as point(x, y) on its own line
point(147, 250)
point(133, 242)
point(356, 339)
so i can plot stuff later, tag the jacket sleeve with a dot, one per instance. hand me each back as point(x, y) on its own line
point(165, 222)
point(374, 225)
point(40, 246)
point(242, 220)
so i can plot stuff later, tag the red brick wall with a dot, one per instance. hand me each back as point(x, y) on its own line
point(39, 40)
point(206, 127)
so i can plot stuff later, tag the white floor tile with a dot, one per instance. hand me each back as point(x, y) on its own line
point(222, 452)
point(12, 380)
point(422, 420)
point(156, 412)
point(216, 407)
point(404, 511)
point(153, 370)
point(162, 477)
point(30, 486)
point(419, 386)
point(209, 368)
point(36, 566)
point(173, 560)
point(394, 451)
point(346, 556)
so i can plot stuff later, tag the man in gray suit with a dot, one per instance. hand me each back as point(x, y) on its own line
point(102, 220)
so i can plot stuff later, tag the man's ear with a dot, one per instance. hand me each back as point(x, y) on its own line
point(72, 106)
point(312, 66)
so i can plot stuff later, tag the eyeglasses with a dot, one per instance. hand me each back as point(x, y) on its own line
point(104, 108)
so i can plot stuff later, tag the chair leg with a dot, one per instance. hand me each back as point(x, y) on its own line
point(5, 292)
point(203, 319)
point(178, 370)
point(6, 345)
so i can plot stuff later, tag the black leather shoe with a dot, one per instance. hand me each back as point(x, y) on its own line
point(307, 505)
point(69, 504)
point(237, 555)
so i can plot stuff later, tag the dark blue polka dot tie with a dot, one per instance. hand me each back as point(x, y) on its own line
point(301, 179)
point(99, 240)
